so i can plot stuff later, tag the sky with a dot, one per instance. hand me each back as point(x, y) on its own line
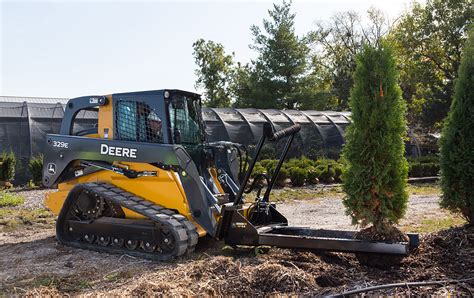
point(77, 48)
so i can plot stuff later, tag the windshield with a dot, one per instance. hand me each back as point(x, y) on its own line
point(185, 120)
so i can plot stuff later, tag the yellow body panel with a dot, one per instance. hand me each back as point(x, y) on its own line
point(106, 120)
point(165, 190)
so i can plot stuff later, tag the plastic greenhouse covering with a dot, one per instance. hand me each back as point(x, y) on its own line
point(24, 125)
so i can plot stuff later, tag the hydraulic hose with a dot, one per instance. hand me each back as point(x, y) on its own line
point(401, 284)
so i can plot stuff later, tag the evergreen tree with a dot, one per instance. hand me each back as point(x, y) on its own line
point(278, 78)
point(457, 142)
point(376, 168)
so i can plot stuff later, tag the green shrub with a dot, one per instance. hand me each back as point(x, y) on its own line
point(298, 176)
point(327, 174)
point(266, 162)
point(375, 174)
point(325, 162)
point(271, 166)
point(302, 162)
point(313, 175)
point(35, 166)
point(7, 166)
point(258, 169)
point(282, 176)
point(418, 169)
point(338, 172)
point(8, 199)
point(457, 141)
point(424, 166)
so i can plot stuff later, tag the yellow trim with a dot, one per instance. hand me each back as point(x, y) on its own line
point(213, 173)
point(106, 119)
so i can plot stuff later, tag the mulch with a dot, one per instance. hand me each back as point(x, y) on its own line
point(446, 255)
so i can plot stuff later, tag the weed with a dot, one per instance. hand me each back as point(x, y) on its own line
point(8, 199)
point(12, 219)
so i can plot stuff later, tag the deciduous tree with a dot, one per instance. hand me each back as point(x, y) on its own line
point(213, 72)
point(429, 40)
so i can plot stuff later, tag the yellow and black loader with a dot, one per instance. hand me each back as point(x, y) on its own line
point(146, 182)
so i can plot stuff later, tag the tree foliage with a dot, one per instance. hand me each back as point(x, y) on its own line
point(7, 166)
point(429, 40)
point(213, 72)
point(457, 142)
point(376, 169)
point(336, 43)
point(280, 76)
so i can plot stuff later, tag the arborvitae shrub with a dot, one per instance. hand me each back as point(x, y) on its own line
point(298, 176)
point(327, 174)
point(313, 175)
point(282, 176)
point(7, 167)
point(258, 169)
point(35, 166)
point(266, 162)
point(376, 170)
point(338, 172)
point(457, 141)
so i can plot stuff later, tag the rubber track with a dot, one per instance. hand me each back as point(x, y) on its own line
point(186, 231)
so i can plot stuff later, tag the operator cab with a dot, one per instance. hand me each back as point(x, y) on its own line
point(164, 116)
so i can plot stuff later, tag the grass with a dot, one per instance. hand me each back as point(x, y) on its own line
point(13, 219)
point(430, 225)
point(8, 199)
point(303, 193)
point(432, 189)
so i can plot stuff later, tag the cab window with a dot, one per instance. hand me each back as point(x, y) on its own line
point(184, 119)
point(136, 121)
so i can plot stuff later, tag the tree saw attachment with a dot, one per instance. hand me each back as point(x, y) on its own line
point(261, 223)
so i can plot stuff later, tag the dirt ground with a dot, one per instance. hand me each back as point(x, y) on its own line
point(33, 263)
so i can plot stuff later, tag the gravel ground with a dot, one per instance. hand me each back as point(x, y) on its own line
point(34, 198)
point(329, 213)
point(33, 263)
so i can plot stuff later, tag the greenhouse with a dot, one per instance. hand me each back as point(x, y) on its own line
point(322, 133)
point(24, 123)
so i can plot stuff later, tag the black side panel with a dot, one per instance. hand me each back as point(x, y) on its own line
point(75, 105)
point(60, 151)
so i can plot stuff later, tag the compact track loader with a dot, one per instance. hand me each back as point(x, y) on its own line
point(145, 182)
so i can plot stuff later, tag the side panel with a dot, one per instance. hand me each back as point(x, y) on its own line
point(163, 190)
point(61, 152)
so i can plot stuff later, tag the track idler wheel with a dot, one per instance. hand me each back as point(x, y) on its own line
point(103, 240)
point(131, 244)
point(89, 238)
point(148, 247)
point(117, 242)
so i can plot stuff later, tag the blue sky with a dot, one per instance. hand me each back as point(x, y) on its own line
point(69, 49)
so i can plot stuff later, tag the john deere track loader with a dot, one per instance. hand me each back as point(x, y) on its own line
point(146, 182)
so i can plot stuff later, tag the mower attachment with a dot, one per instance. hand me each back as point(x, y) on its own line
point(331, 240)
point(277, 233)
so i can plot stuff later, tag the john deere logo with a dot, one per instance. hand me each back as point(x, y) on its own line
point(51, 168)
